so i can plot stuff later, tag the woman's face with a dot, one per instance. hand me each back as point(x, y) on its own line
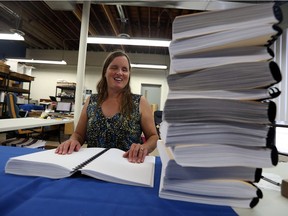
point(117, 73)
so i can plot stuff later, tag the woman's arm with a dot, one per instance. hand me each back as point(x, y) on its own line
point(148, 125)
point(138, 152)
point(77, 138)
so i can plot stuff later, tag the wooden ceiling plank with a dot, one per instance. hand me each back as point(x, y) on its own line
point(58, 27)
point(61, 20)
point(91, 29)
point(111, 19)
point(61, 29)
point(129, 22)
point(42, 36)
point(35, 24)
point(140, 28)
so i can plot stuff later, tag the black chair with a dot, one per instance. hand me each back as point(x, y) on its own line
point(158, 119)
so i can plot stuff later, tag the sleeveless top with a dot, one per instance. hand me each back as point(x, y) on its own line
point(115, 132)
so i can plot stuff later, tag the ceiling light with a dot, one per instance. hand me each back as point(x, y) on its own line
point(39, 61)
point(149, 66)
point(9, 36)
point(128, 41)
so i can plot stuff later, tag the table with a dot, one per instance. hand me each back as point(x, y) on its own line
point(280, 124)
point(273, 203)
point(29, 122)
point(82, 195)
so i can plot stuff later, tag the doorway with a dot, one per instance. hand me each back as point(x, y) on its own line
point(152, 93)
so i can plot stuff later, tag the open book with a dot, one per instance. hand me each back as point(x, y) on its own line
point(214, 133)
point(246, 94)
point(198, 61)
point(237, 76)
point(222, 20)
point(243, 37)
point(212, 185)
point(174, 171)
point(221, 110)
point(205, 155)
point(104, 164)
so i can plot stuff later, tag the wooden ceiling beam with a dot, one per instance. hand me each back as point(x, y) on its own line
point(33, 25)
point(129, 21)
point(111, 19)
point(139, 27)
point(91, 30)
point(42, 35)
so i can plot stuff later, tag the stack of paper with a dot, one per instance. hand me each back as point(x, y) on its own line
point(216, 133)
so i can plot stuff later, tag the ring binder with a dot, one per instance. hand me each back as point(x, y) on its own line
point(77, 168)
point(110, 166)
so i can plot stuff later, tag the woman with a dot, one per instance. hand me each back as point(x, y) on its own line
point(115, 117)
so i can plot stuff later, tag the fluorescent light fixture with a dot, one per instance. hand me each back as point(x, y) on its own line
point(39, 61)
point(14, 36)
point(128, 41)
point(149, 66)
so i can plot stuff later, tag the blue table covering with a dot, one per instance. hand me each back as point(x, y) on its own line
point(82, 195)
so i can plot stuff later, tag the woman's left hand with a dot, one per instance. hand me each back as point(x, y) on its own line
point(136, 153)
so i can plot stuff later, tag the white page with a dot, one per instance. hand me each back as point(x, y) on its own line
point(112, 166)
point(48, 163)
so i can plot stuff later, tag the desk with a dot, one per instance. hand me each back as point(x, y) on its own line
point(82, 195)
point(280, 124)
point(273, 203)
point(24, 123)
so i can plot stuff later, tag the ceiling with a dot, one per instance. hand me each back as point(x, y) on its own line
point(56, 25)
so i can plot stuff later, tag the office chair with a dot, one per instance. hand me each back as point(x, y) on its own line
point(40, 133)
point(13, 112)
point(158, 120)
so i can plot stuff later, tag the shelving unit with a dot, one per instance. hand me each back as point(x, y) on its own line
point(13, 82)
point(3, 80)
point(66, 92)
point(18, 87)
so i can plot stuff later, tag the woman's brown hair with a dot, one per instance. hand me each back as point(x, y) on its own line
point(126, 105)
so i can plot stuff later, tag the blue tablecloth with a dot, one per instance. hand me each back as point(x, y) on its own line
point(82, 195)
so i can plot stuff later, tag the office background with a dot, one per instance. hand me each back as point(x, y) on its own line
point(46, 76)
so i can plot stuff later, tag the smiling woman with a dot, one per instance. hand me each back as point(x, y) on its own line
point(115, 117)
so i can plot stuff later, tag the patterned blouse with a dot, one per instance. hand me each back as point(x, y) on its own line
point(115, 132)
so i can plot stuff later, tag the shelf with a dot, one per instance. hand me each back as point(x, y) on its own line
point(4, 73)
point(20, 77)
point(63, 97)
point(12, 82)
point(18, 90)
point(67, 87)
point(66, 92)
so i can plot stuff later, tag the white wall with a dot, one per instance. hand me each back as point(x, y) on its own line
point(46, 76)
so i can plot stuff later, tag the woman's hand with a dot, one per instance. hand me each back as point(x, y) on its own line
point(68, 147)
point(136, 153)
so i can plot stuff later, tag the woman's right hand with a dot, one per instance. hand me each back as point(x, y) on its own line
point(68, 147)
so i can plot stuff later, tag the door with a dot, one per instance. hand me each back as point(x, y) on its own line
point(153, 94)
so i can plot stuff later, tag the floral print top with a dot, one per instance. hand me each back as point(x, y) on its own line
point(115, 132)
